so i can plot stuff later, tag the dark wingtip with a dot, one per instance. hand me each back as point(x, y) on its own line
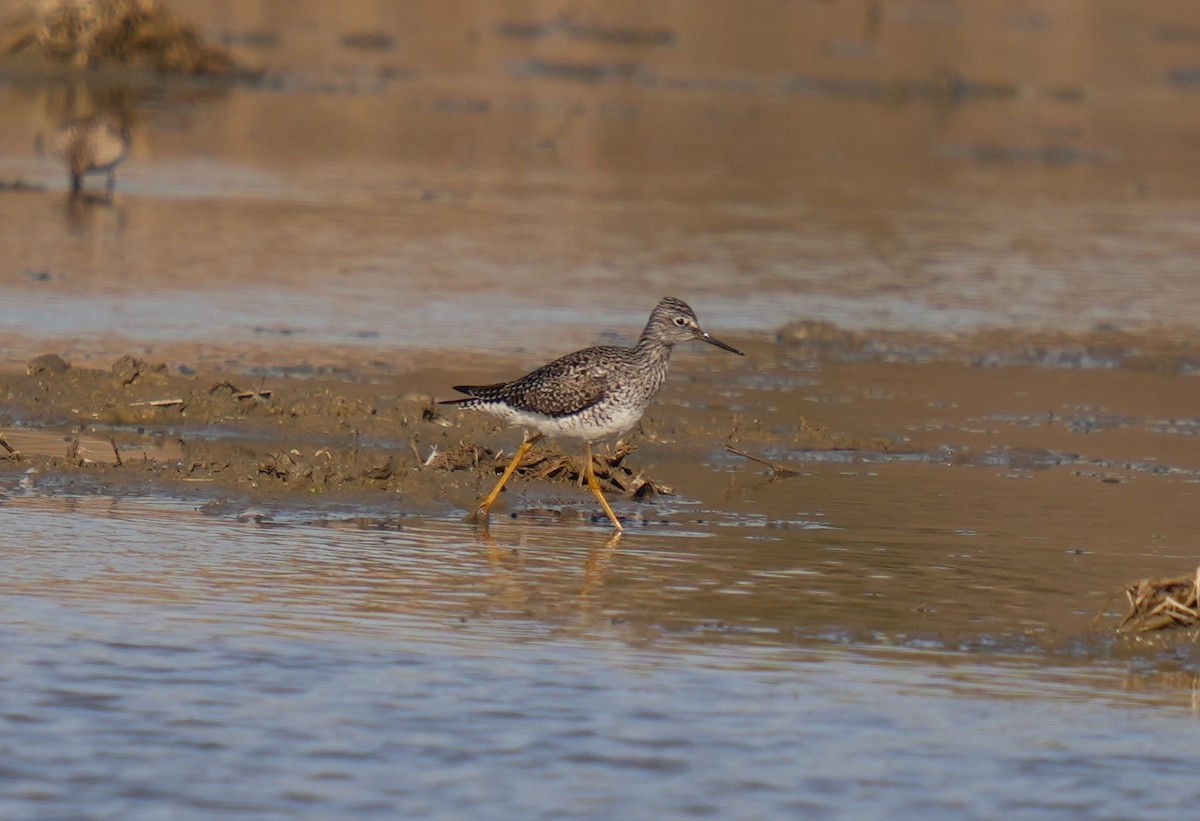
point(469, 390)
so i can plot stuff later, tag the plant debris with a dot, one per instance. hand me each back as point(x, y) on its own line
point(777, 471)
point(551, 464)
point(126, 33)
point(1165, 603)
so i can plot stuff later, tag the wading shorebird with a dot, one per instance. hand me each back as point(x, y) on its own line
point(592, 394)
point(92, 145)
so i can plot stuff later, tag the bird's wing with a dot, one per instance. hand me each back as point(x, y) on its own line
point(566, 386)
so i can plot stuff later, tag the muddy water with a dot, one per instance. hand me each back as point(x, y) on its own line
point(997, 206)
point(210, 668)
point(864, 164)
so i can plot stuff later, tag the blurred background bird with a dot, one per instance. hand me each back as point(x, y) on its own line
point(91, 145)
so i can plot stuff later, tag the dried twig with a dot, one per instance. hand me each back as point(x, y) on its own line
point(112, 440)
point(778, 471)
point(13, 453)
point(158, 403)
point(1154, 605)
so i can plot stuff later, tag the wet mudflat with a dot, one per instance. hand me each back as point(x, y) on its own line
point(866, 573)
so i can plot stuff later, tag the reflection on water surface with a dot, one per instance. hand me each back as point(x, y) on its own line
point(211, 668)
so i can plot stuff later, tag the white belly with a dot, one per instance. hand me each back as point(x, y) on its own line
point(589, 427)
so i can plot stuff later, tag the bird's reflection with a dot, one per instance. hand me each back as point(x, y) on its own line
point(516, 580)
point(598, 560)
point(83, 208)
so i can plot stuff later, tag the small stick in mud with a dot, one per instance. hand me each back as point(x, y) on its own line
point(112, 440)
point(777, 471)
point(157, 403)
point(13, 453)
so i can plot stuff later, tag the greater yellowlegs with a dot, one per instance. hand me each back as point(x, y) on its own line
point(92, 145)
point(592, 394)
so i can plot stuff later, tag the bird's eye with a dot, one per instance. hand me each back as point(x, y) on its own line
point(681, 321)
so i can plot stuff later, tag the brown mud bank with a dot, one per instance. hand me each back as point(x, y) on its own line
point(1104, 405)
point(287, 439)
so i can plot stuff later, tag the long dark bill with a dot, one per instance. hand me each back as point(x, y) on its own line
point(712, 340)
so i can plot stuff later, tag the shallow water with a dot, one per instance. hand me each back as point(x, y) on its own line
point(160, 661)
point(856, 170)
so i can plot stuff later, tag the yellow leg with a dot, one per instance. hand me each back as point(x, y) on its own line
point(594, 484)
point(481, 512)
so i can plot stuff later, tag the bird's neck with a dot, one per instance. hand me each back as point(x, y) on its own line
point(653, 351)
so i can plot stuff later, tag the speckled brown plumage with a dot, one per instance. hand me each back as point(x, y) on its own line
point(592, 394)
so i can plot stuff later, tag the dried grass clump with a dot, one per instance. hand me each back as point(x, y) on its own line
point(552, 465)
point(1155, 605)
point(129, 33)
